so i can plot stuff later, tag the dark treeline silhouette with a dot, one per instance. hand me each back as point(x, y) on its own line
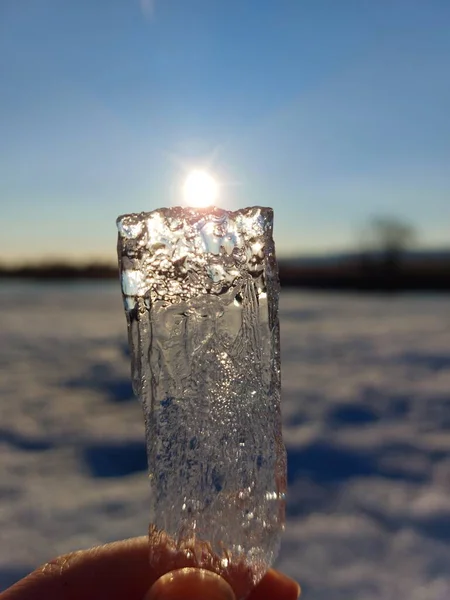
point(374, 272)
point(60, 272)
point(383, 262)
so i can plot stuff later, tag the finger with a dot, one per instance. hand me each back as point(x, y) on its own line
point(275, 585)
point(198, 584)
point(115, 572)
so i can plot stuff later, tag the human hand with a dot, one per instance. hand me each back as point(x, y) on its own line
point(121, 571)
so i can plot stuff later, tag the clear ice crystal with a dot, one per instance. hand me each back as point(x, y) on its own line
point(201, 291)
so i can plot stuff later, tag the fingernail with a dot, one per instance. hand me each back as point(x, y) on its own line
point(190, 583)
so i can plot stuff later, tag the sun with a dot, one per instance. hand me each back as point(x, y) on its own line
point(200, 189)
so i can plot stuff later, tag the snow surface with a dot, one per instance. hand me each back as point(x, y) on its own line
point(366, 407)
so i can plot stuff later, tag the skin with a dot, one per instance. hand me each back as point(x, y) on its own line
point(121, 571)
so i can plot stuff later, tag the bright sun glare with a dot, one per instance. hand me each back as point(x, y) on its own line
point(200, 189)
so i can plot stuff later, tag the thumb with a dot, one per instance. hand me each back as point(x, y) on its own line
point(190, 584)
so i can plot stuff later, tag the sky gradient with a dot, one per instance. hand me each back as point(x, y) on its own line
point(330, 112)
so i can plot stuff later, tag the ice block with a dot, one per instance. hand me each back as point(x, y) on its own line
point(200, 289)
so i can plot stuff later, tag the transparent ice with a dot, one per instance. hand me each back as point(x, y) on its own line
point(201, 291)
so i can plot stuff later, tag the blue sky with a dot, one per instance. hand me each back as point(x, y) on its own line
point(329, 111)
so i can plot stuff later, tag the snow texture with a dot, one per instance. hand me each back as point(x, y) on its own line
point(366, 409)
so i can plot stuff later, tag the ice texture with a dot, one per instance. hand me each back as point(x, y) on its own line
point(201, 292)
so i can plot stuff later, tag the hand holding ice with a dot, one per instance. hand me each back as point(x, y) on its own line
point(201, 297)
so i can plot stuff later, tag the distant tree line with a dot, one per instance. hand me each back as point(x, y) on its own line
point(382, 262)
point(60, 271)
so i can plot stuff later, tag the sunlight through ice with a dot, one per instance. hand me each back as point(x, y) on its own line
point(201, 290)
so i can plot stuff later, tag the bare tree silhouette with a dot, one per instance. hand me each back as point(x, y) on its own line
point(383, 243)
point(385, 240)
